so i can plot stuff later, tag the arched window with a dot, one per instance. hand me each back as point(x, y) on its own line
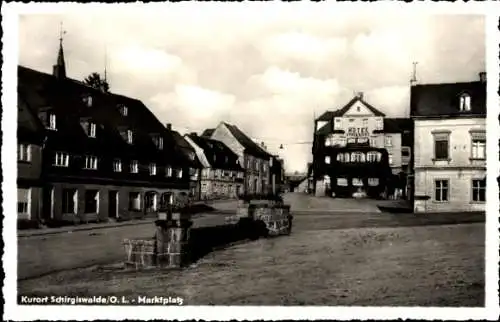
point(346, 157)
point(464, 102)
point(340, 157)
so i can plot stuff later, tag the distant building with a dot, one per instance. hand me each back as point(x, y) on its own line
point(221, 176)
point(450, 146)
point(255, 159)
point(105, 155)
point(277, 173)
point(357, 148)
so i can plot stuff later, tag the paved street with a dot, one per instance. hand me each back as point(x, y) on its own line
point(39, 255)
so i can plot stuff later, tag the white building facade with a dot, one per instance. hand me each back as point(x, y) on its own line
point(450, 147)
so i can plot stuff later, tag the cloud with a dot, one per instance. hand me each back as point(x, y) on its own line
point(269, 72)
point(302, 46)
point(192, 107)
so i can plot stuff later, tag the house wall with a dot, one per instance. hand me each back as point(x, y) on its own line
point(213, 186)
point(54, 202)
point(223, 134)
point(28, 177)
point(459, 169)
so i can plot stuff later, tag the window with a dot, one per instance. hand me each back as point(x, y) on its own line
point(169, 171)
point(204, 173)
point(158, 141)
point(61, 159)
point(441, 146)
point(87, 100)
point(23, 201)
point(380, 124)
point(152, 169)
point(351, 120)
point(69, 201)
point(24, 152)
point(91, 130)
point(134, 166)
point(358, 108)
point(91, 201)
point(134, 199)
point(365, 122)
point(327, 159)
point(465, 102)
point(179, 173)
point(340, 157)
point(357, 182)
point(479, 190)
point(337, 120)
point(52, 122)
point(388, 141)
point(90, 162)
point(342, 182)
point(130, 136)
point(151, 201)
point(371, 156)
point(347, 157)
point(123, 110)
point(390, 158)
point(117, 165)
point(373, 182)
point(405, 152)
point(479, 148)
point(441, 193)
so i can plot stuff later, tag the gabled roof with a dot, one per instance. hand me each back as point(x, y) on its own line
point(64, 97)
point(329, 115)
point(397, 125)
point(434, 100)
point(217, 153)
point(249, 145)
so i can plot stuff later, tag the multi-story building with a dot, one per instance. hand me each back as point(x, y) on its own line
point(357, 148)
point(450, 146)
point(222, 175)
point(255, 159)
point(30, 140)
point(105, 156)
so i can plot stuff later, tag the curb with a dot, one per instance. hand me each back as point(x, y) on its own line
point(71, 229)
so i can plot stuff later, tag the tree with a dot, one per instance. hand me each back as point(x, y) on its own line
point(94, 80)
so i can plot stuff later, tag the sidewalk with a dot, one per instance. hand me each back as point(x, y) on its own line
point(103, 225)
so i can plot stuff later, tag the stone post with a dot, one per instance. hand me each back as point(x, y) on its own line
point(172, 240)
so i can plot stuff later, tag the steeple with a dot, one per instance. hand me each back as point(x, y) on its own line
point(59, 69)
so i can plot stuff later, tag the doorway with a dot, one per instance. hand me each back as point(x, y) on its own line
point(113, 204)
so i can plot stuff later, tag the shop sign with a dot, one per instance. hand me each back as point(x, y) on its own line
point(358, 132)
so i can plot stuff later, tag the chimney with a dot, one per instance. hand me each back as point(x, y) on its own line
point(360, 95)
point(193, 134)
point(482, 77)
point(168, 126)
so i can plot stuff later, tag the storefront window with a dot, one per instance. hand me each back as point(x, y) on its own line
point(357, 182)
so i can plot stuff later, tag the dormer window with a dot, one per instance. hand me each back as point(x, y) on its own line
point(87, 99)
point(464, 102)
point(52, 122)
point(158, 140)
point(123, 110)
point(130, 136)
point(91, 130)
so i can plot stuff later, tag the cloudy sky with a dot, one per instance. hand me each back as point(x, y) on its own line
point(267, 73)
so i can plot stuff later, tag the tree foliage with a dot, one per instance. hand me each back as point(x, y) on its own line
point(94, 80)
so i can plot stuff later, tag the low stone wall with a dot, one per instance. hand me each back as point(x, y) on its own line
point(176, 244)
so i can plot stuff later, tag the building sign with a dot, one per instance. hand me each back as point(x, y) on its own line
point(358, 132)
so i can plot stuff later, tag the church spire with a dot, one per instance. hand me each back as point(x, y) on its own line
point(59, 69)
